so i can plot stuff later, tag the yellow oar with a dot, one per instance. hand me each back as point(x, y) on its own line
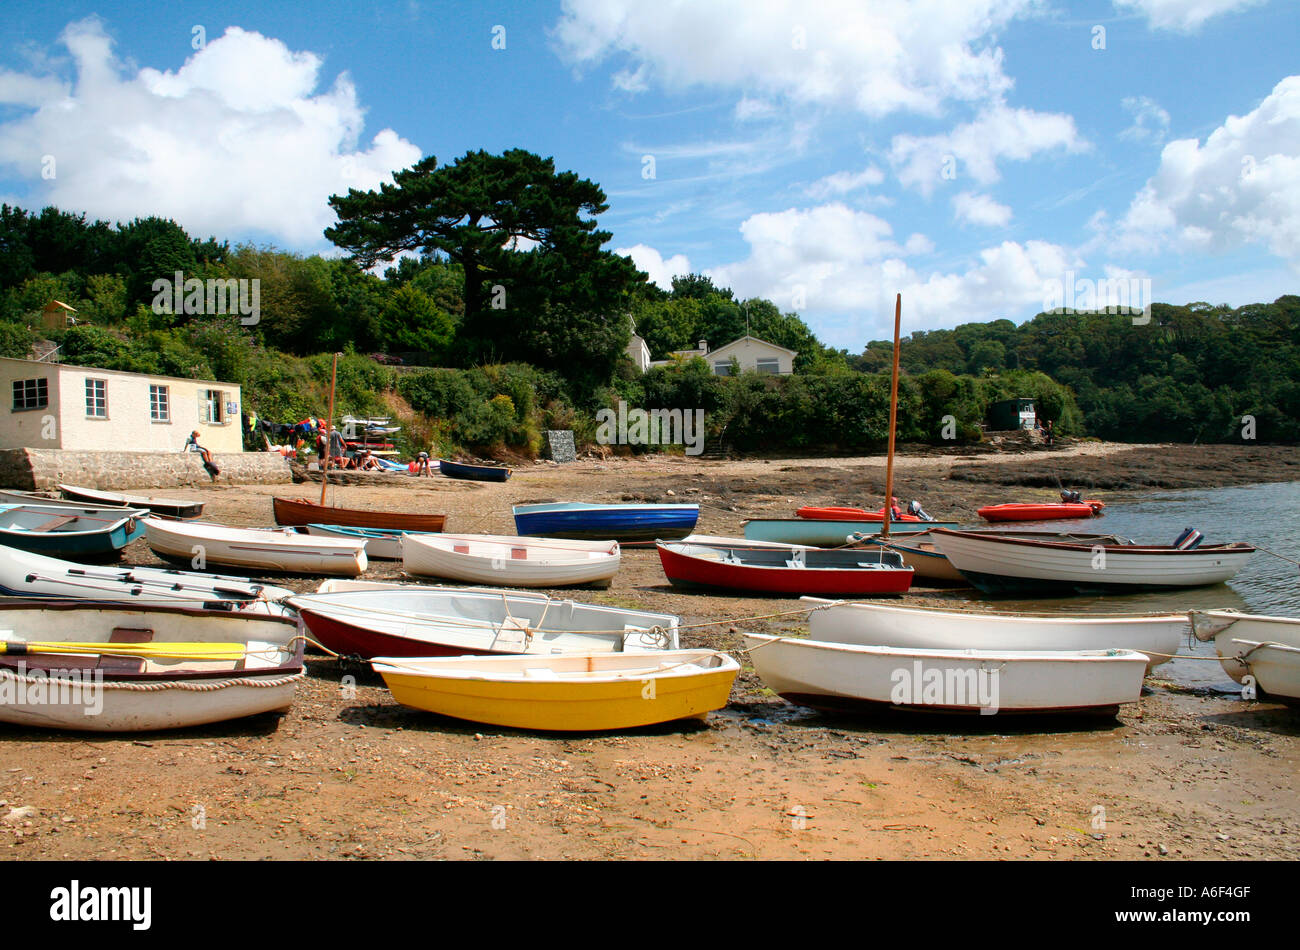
point(185, 651)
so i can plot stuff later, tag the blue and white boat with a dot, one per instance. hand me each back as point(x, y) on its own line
point(830, 533)
point(624, 523)
point(65, 531)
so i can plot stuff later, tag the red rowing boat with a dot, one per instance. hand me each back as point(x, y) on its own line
point(1050, 511)
point(814, 513)
point(788, 570)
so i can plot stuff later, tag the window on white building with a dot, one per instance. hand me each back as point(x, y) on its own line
point(160, 406)
point(722, 368)
point(211, 405)
point(96, 399)
point(31, 394)
point(769, 366)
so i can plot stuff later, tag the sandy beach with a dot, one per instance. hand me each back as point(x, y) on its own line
point(347, 773)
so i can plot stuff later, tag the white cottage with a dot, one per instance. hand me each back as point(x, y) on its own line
point(750, 353)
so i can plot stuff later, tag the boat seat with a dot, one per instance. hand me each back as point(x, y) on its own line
point(131, 635)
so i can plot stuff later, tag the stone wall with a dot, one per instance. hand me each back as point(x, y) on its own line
point(41, 469)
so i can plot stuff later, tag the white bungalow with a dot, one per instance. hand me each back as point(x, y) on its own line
point(749, 352)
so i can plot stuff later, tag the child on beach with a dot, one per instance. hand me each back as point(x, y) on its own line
point(192, 445)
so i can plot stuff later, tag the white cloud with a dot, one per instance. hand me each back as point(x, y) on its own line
point(237, 140)
point(661, 270)
point(842, 183)
point(749, 109)
point(980, 209)
point(880, 57)
point(1150, 122)
point(1184, 16)
point(1241, 187)
point(974, 148)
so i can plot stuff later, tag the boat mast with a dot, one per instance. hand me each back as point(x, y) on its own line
point(893, 420)
point(329, 432)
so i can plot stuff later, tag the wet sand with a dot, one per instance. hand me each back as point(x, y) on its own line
point(347, 773)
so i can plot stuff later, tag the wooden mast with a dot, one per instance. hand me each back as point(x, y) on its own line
point(893, 421)
point(329, 431)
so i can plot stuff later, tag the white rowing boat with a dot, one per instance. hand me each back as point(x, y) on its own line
point(90, 678)
point(1003, 564)
point(275, 550)
point(453, 621)
point(889, 625)
point(510, 561)
point(845, 676)
point(24, 574)
point(1267, 648)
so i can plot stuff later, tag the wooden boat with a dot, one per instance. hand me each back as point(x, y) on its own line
point(477, 473)
point(454, 621)
point(1041, 512)
point(1267, 648)
point(300, 511)
point(120, 668)
point(827, 534)
point(27, 575)
point(787, 570)
point(61, 530)
point(572, 693)
point(889, 625)
point(172, 507)
point(626, 523)
point(998, 563)
point(510, 561)
point(846, 676)
point(260, 549)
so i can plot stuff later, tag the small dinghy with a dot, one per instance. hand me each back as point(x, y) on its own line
point(382, 544)
point(260, 549)
point(64, 531)
point(415, 620)
point(503, 561)
point(475, 473)
point(783, 570)
point(23, 574)
point(1267, 648)
point(890, 625)
point(300, 511)
point(119, 668)
point(625, 523)
point(171, 507)
point(1041, 512)
point(575, 693)
point(845, 676)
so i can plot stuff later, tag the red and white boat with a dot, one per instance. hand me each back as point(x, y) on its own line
point(783, 569)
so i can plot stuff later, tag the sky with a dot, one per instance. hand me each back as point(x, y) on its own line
point(976, 156)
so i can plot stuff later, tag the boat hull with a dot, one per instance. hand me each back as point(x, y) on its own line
point(847, 676)
point(619, 694)
point(1044, 512)
point(707, 566)
point(1254, 645)
point(95, 533)
point(475, 473)
point(1003, 564)
point(293, 512)
point(511, 562)
point(171, 507)
point(624, 523)
point(255, 550)
point(919, 628)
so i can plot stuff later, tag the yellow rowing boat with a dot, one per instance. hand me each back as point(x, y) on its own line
point(564, 693)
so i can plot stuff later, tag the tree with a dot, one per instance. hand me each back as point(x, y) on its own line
point(524, 235)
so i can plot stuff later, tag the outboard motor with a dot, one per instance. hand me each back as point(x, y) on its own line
point(1188, 540)
point(1070, 497)
point(917, 511)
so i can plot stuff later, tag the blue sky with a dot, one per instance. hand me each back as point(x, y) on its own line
point(970, 154)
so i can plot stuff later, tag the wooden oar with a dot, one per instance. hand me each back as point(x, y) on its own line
point(187, 651)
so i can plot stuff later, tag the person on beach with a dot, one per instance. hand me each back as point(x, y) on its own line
point(192, 445)
point(422, 464)
point(366, 462)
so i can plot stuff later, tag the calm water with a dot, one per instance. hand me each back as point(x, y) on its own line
point(1264, 515)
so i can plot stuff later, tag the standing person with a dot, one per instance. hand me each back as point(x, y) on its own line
point(1049, 432)
point(192, 445)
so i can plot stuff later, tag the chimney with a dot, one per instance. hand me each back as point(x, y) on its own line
point(703, 346)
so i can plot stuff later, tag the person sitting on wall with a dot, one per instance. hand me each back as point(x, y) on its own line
point(192, 445)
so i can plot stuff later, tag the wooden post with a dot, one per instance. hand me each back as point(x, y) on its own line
point(893, 422)
point(329, 430)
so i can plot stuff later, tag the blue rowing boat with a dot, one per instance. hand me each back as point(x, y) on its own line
point(828, 533)
point(64, 531)
point(476, 473)
point(625, 523)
